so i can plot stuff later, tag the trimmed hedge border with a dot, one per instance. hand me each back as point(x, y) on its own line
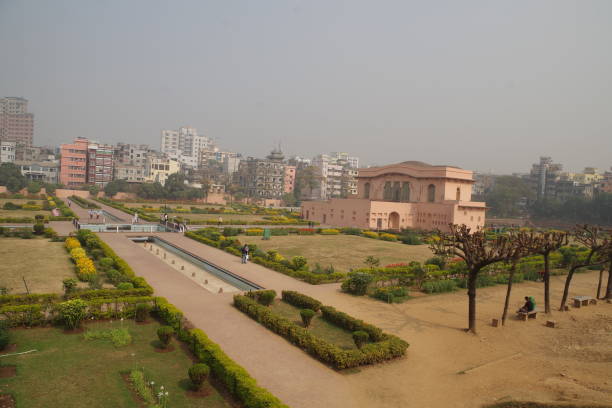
point(300, 300)
point(385, 346)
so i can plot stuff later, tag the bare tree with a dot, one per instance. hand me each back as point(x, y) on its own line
point(522, 242)
point(544, 243)
point(476, 251)
point(590, 237)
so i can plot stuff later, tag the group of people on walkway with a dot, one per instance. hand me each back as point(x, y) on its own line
point(97, 214)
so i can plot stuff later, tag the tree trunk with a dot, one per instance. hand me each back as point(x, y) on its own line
point(568, 281)
point(472, 301)
point(609, 287)
point(601, 271)
point(546, 283)
point(508, 291)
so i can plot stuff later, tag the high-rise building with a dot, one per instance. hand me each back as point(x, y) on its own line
point(263, 178)
point(184, 144)
point(160, 167)
point(337, 173)
point(544, 176)
point(16, 123)
point(86, 162)
point(7, 152)
point(131, 162)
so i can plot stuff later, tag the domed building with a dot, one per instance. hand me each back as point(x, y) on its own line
point(410, 194)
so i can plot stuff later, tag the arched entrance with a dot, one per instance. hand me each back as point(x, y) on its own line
point(394, 221)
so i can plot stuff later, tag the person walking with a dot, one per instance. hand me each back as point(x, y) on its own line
point(245, 253)
point(220, 221)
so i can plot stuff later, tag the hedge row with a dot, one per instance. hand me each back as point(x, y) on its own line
point(351, 324)
point(237, 380)
point(386, 348)
point(141, 214)
point(300, 300)
point(83, 203)
point(33, 298)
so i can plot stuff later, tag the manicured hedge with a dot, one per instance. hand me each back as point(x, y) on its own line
point(300, 300)
point(34, 298)
point(351, 324)
point(384, 347)
point(83, 203)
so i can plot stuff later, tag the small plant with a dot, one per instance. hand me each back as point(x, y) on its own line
point(125, 286)
point(307, 315)
point(72, 313)
point(70, 285)
point(142, 312)
point(265, 297)
point(372, 262)
point(198, 373)
point(106, 263)
point(357, 284)
point(39, 228)
point(4, 336)
point(165, 335)
point(298, 262)
point(360, 338)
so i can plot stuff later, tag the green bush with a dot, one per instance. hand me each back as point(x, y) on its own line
point(142, 312)
point(198, 373)
point(125, 286)
point(70, 285)
point(72, 313)
point(360, 338)
point(164, 333)
point(39, 228)
point(440, 286)
point(350, 231)
point(4, 336)
point(436, 260)
point(411, 239)
point(265, 297)
point(350, 323)
point(390, 294)
point(357, 284)
point(231, 232)
point(307, 315)
point(300, 300)
point(106, 263)
point(298, 262)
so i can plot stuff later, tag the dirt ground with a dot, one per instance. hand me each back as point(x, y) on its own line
point(42, 263)
point(342, 251)
point(524, 361)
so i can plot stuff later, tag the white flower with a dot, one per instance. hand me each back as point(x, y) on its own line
point(166, 393)
point(152, 382)
point(161, 388)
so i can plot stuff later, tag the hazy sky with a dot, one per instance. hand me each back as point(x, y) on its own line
point(485, 85)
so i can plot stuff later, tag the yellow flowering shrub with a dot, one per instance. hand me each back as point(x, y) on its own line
point(72, 243)
point(85, 269)
point(370, 234)
point(77, 253)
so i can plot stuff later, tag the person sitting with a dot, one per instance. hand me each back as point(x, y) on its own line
point(529, 305)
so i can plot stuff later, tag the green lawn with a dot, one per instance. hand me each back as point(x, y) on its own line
point(68, 371)
point(161, 204)
point(19, 201)
point(43, 264)
point(342, 251)
point(318, 326)
point(22, 213)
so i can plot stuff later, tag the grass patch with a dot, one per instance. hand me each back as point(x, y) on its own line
point(68, 371)
point(344, 252)
point(22, 213)
point(119, 337)
point(318, 326)
point(20, 201)
point(42, 263)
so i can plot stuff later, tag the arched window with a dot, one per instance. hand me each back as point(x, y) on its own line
point(431, 193)
point(388, 192)
point(458, 197)
point(405, 192)
point(366, 190)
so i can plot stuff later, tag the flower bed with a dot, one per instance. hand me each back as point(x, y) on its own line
point(383, 346)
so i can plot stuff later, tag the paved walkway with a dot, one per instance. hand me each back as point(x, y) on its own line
point(284, 369)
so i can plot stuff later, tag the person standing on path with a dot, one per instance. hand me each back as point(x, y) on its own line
point(245, 253)
point(220, 221)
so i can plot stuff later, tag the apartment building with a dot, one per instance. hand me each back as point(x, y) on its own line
point(160, 167)
point(337, 173)
point(263, 178)
point(73, 163)
point(184, 145)
point(16, 123)
point(7, 152)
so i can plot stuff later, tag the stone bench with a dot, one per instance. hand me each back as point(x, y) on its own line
point(580, 301)
point(527, 315)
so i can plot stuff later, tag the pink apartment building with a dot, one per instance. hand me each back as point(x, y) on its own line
point(73, 163)
point(405, 195)
point(289, 180)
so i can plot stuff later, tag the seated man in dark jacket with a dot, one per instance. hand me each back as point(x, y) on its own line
point(529, 305)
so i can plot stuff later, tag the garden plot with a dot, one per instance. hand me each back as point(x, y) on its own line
point(67, 370)
point(344, 252)
point(43, 265)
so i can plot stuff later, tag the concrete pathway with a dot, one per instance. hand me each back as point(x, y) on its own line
point(287, 371)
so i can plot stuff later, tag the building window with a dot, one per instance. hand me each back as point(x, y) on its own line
point(431, 193)
point(458, 197)
point(405, 192)
point(388, 191)
point(396, 191)
point(366, 190)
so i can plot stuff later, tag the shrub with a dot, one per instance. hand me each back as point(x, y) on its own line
point(411, 239)
point(372, 261)
point(298, 262)
point(125, 286)
point(198, 373)
point(106, 263)
point(4, 336)
point(360, 338)
point(350, 231)
point(231, 232)
point(350, 323)
point(370, 234)
point(254, 231)
point(86, 270)
point(69, 285)
point(436, 260)
point(307, 315)
point(39, 229)
point(72, 243)
point(330, 231)
point(306, 231)
point(265, 297)
point(142, 312)
point(357, 284)
point(72, 313)
point(388, 237)
point(439, 286)
point(164, 333)
point(300, 300)
point(390, 294)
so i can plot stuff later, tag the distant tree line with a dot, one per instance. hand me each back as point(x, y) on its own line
point(174, 188)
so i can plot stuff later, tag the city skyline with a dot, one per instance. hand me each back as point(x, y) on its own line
point(444, 84)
